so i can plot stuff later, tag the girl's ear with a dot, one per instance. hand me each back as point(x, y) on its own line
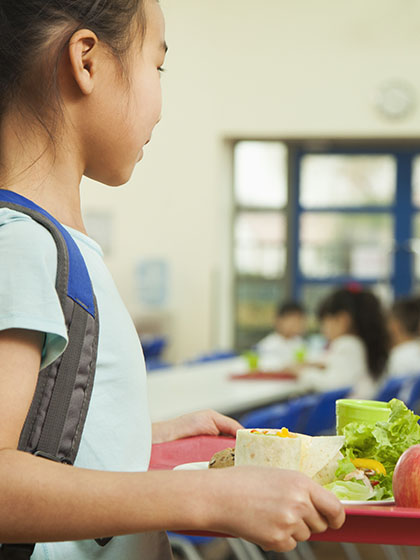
point(83, 50)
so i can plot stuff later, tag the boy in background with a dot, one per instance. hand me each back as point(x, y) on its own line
point(283, 346)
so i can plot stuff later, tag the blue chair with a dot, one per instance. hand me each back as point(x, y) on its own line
point(321, 419)
point(156, 363)
point(391, 388)
point(153, 346)
point(186, 544)
point(212, 357)
point(410, 393)
point(290, 414)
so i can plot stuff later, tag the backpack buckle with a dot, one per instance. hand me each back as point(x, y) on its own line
point(50, 457)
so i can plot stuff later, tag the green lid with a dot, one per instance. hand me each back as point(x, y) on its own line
point(353, 410)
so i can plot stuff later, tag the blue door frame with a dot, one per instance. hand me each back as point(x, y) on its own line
point(402, 210)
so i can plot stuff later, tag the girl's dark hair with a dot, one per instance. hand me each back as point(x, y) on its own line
point(34, 35)
point(369, 323)
point(407, 312)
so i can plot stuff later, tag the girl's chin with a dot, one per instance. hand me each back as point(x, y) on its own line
point(140, 156)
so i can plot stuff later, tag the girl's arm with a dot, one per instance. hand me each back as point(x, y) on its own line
point(207, 422)
point(45, 501)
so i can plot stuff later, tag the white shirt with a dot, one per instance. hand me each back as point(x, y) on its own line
point(345, 366)
point(277, 351)
point(404, 359)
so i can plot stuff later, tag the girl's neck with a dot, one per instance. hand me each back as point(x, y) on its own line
point(29, 166)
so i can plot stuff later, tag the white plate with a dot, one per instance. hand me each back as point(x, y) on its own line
point(387, 502)
point(202, 465)
point(197, 466)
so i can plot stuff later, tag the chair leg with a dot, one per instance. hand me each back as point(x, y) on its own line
point(187, 549)
point(351, 551)
point(391, 552)
point(305, 551)
point(411, 552)
point(244, 550)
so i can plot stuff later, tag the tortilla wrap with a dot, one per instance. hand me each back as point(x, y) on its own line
point(317, 457)
point(317, 452)
point(327, 473)
point(266, 450)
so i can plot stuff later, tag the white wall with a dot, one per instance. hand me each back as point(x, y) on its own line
point(266, 68)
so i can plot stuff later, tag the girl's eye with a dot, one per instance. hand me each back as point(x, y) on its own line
point(161, 69)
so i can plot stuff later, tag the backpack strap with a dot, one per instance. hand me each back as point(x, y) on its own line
point(55, 421)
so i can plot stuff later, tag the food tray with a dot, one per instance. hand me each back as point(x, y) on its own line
point(263, 376)
point(364, 524)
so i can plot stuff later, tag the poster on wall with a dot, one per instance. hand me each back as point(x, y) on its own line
point(152, 283)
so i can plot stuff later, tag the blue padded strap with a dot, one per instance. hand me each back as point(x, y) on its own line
point(79, 287)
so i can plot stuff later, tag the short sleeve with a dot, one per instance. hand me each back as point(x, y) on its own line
point(28, 266)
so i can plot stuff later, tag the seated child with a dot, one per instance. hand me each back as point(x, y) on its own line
point(354, 325)
point(281, 347)
point(404, 329)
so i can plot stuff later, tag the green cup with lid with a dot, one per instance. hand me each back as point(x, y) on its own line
point(354, 410)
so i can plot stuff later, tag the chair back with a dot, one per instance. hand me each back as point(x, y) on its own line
point(321, 419)
point(291, 414)
point(410, 393)
point(391, 388)
point(212, 357)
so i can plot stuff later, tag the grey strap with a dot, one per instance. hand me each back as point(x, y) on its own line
point(54, 424)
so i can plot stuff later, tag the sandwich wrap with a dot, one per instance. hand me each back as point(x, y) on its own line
point(317, 457)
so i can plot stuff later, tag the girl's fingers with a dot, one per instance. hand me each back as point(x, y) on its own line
point(328, 506)
point(302, 532)
point(285, 545)
point(316, 522)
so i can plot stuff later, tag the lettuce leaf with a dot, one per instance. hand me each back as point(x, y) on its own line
point(345, 466)
point(385, 442)
point(350, 490)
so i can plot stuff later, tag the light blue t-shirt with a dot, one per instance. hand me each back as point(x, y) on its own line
point(117, 432)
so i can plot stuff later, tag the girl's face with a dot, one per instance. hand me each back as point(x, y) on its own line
point(126, 112)
point(333, 326)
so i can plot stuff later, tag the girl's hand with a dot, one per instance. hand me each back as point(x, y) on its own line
point(274, 508)
point(204, 422)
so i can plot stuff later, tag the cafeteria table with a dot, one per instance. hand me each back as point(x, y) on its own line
point(182, 389)
point(364, 524)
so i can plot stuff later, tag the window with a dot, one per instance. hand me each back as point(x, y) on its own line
point(259, 236)
point(346, 222)
point(306, 221)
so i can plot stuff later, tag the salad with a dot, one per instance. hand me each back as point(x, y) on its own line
point(370, 454)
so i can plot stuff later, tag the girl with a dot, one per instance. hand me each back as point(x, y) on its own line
point(80, 95)
point(404, 330)
point(353, 322)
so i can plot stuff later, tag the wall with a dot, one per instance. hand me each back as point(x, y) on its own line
point(241, 68)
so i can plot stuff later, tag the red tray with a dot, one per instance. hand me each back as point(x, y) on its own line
point(264, 375)
point(364, 524)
